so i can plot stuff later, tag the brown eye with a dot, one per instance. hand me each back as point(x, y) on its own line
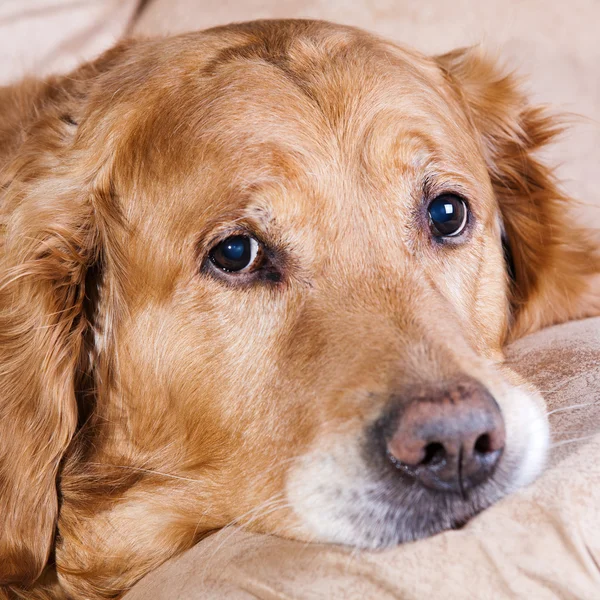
point(448, 215)
point(235, 254)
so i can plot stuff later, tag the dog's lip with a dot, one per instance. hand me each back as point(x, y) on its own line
point(399, 531)
point(429, 512)
point(436, 525)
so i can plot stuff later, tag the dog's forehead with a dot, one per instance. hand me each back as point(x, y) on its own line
point(325, 107)
point(317, 95)
point(323, 126)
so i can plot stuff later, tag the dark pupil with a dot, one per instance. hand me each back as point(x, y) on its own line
point(447, 215)
point(232, 254)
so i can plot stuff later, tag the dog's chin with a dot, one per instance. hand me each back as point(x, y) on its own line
point(383, 522)
point(385, 512)
point(343, 495)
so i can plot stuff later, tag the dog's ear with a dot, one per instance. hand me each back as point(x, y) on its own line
point(555, 263)
point(51, 207)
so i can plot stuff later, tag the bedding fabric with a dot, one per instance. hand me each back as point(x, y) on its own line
point(39, 37)
point(542, 542)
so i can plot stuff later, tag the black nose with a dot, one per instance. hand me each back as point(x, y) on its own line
point(449, 438)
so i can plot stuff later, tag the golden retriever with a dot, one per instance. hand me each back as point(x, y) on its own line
point(263, 274)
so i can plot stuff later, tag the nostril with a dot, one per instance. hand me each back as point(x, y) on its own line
point(435, 453)
point(483, 444)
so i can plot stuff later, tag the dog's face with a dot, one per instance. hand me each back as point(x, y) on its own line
point(287, 287)
point(287, 291)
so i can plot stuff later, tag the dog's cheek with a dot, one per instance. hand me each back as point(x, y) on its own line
point(325, 487)
point(527, 428)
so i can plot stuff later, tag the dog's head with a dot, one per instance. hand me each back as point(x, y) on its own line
point(263, 274)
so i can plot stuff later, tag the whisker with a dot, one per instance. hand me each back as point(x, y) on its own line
point(354, 555)
point(594, 470)
point(267, 504)
point(149, 471)
point(277, 464)
point(557, 410)
point(573, 440)
point(221, 537)
point(563, 383)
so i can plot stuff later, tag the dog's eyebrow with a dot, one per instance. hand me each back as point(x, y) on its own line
point(261, 213)
point(408, 150)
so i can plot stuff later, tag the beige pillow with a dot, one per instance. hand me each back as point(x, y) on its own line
point(50, 36)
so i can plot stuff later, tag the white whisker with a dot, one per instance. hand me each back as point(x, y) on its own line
point(149, 471)
point(221, 537)
point(573, 406)
point(573, 440)
point(563, 384)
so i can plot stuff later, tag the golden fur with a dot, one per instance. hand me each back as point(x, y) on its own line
point(146, 402)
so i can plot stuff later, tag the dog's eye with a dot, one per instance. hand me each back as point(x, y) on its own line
point(447, 215)
point(235, 254)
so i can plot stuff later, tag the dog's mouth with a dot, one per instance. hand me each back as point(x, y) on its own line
point(403, 483)
point(388, 509)
point(400, 509)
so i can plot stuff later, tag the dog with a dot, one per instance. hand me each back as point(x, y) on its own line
point(263, 275)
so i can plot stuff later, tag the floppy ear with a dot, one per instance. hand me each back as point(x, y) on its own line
point(50, 238)
point(556, 263)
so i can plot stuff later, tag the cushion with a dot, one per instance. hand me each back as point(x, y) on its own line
point(541, 542)
point(38, 37)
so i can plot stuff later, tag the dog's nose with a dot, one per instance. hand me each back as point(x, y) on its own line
point(450, 439)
